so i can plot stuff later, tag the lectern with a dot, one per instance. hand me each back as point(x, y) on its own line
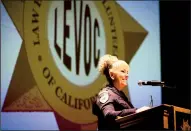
point(163, 117)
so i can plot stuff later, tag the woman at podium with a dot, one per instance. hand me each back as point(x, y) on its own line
point(111, 101)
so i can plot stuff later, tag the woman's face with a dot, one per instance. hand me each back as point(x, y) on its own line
point(120, 76)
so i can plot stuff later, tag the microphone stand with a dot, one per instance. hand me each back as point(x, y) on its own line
point(151, 102)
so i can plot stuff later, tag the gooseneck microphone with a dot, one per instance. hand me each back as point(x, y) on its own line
point(152, 83)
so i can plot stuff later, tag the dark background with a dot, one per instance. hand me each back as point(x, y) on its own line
point(175, 51)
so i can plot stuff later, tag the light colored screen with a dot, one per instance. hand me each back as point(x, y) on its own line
point(145, 65)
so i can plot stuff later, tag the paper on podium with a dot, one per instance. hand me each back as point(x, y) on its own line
point(142, 109)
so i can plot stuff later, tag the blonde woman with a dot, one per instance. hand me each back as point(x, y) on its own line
point(111, 101)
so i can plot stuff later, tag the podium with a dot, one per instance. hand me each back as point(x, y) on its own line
point(163, 117)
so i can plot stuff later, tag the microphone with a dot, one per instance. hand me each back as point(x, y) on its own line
point(152, 83)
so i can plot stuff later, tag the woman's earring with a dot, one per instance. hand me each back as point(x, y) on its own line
point(112, 78)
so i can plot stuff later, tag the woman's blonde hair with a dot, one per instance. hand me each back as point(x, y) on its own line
point(106, 62)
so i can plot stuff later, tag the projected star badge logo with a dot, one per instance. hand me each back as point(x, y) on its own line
point(56, 70)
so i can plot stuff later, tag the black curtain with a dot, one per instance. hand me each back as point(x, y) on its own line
point(175, 52)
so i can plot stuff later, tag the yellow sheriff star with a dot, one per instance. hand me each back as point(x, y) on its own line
point(52, 72)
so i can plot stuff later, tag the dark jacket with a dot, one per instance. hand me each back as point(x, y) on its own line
point(109, 104)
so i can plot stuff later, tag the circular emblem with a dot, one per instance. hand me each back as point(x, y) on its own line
point(104, 97)
point(64, 41)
